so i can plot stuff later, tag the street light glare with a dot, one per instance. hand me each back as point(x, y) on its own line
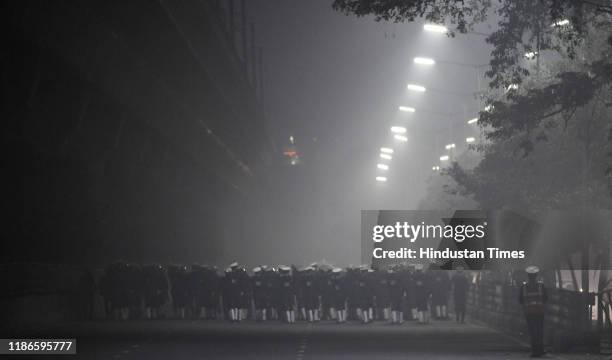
point(401, 138)
point(382, 166)
point(398, 129)
point(386, 156)
point(424, 61)
point(470, 140)
point(444, 158)
point(435, 168)
point(473, 121)
point(560, 23)
point(381, 178)
point(435, 28)
point(406, 109)
point(386, 150)
point(414, 87)
point(531, 55)
point(450, 146)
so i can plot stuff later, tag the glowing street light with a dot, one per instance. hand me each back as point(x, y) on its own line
point(400, 138)
point(424, 61)
point(488, 108)
point(530, 55)
point(386, 156)
point(381, 178)
point(407, 109)
point(382, 166)
point(417, 88)
point(444, 158)
point(398, 129)
point(435, 168)
point(473, 121)
point(470, 140)
point(435, 28)
point(449, 146)
point(560, 23)
point(386, 150)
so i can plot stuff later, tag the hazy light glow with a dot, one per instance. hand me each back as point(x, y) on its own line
point(488, 108)
point(435, 28)
point(560, 23)
point(424, 61)
point(531, 55)
point(470, 140)
point(400, 138)
point(435, 168)
point(473, 121)
point(398, 129)
point(406, 109)
point(382, 166)
point(417, 88)
point(450, 146)
point(381, 178)
point(386, 150)
point(444, 158)
point(386, 156)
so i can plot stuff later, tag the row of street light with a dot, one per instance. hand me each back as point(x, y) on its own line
point(399, 132)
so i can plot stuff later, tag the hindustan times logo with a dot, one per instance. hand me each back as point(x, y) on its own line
point(411, 232)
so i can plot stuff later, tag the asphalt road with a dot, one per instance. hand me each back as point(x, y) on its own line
point(177, 340)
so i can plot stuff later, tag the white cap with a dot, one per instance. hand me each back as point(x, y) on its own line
point(284, 267)
point(418, 267)
point(337, 270)
point(256, 269)
point(234, 264)
point(532, 269)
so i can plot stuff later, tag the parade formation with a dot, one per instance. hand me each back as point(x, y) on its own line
point(283, 293)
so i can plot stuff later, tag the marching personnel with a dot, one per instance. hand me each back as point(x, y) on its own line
point(421, 294)
point(533, 297)
point(232, 292)
point(364, 295)
point(311, 294)
point(155, 290)
point(439, 292)
point(461, 285)
point(211, 292)
point(396, 292)
point(272, 290)
point(179, 278)
point(383, 296)
point(339, 294)
point(259, 294)
point(197, 293)
point(287, 294)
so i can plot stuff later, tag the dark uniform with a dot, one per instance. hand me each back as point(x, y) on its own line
point(461, 285)
point(155, 290)
point(533, 296)
point(339, 294)
point(422, 293)
point(396, 294)
point(287, 294)
point(440, 286)
point(260, 296)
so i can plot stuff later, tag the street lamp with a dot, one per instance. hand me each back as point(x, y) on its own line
point(398, 129)
point(381, 178)
point(449, 146)
point(400, 138)
point(407, 109)
point(473, 121)
point(560, 23)
point(386, 156)
point(435, 168)
point(444, 158)
point(440, 29)
point(417, 88)
point(386, 150)
point(382, 166)
point(424, 61)
point(470, 140)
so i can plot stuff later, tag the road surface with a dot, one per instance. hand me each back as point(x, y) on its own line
point(177, 340)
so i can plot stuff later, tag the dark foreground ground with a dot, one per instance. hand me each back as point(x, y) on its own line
point(177, 340)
